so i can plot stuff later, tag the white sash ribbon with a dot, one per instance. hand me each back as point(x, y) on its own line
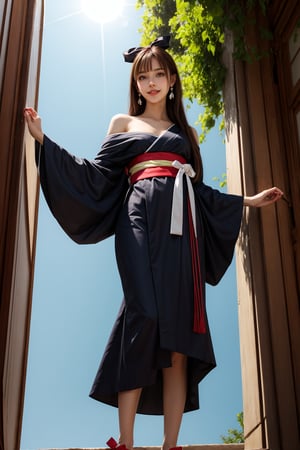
point(177, 203)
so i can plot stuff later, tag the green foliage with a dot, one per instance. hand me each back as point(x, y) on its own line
point(198, 28)
point(235, 436)
point(221, 180)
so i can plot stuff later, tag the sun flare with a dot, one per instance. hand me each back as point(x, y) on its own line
point(102, 10)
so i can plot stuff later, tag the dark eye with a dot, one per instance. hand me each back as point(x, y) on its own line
point(141, 77)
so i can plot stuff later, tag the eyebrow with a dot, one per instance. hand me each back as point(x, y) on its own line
point(152, 70)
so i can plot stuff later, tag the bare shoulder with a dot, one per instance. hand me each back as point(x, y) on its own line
point(119, 123)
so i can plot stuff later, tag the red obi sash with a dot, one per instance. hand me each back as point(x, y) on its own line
point(158, 164)
point(165, 164)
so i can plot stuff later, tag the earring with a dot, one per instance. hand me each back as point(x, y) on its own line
point(171, 95)
point(140, 100)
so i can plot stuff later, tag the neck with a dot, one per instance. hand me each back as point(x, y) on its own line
point(156, 112)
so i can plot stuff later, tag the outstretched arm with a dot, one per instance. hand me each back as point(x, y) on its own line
point(34, 124)
point(264, 198)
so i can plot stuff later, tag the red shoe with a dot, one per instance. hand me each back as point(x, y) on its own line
point(175, 448)
point(112, 443)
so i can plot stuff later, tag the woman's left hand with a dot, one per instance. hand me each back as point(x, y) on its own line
point(34, 124)
point(264, 198)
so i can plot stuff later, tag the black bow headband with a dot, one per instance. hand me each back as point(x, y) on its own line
point(162, 42)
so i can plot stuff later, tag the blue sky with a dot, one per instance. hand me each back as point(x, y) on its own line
point(77, 291)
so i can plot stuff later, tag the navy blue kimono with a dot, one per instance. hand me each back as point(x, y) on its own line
point(93, 200)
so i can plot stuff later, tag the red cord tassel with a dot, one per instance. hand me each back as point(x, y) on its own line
point(199, 313)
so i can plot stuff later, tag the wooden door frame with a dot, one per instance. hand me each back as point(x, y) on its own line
point(266, 270)
point(21, 34)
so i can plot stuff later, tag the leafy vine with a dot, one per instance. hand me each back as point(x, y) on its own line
point(198, 29)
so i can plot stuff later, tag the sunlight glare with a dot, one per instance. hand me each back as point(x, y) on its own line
point(102, 10)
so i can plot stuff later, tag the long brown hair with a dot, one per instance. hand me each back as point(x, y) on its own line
point(175, 109)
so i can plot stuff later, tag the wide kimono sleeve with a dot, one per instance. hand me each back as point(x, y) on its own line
point(221, 216)
point(84, 196)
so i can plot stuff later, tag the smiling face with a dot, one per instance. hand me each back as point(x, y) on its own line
point(154, 84)
point(153, 73)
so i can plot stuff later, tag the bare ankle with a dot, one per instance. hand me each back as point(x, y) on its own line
point(125, 442)
point(170, 446)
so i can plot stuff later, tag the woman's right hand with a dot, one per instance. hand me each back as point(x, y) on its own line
point(34, 124)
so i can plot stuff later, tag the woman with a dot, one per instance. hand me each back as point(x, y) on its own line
point(171, 236)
